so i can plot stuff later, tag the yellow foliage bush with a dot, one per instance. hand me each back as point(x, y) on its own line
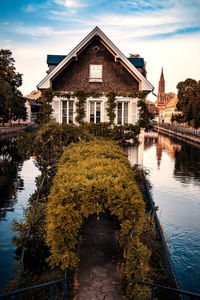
point(92, 177)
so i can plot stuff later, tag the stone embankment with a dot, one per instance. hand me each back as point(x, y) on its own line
point(190, 136)
point(9, 131)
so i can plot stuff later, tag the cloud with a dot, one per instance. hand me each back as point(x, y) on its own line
point(44, 31)
point(69, 3)
point(29, 8)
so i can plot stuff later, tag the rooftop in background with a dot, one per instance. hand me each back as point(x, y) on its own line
point(32, 102)
point(34, 95)
point(54, 59)
point(138, 62)
point(172, 102)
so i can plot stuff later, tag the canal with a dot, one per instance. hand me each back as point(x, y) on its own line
point(17, 183)
point(174, 173)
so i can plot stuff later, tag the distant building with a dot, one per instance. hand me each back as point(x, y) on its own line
point(153, 109)
point(32, 109)
point(166, 102)
point(169, 109)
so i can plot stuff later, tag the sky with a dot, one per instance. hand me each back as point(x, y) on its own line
point(165, 33)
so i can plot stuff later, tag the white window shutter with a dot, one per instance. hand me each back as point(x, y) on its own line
point(55, 114)
point(134, 113)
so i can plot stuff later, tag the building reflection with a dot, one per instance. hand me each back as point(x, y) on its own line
point(186, 158)
point(10, 179)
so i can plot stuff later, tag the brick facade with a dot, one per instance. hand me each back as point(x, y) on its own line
point(76, 74)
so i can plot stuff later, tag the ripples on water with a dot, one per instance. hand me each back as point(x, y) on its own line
point(174, 171)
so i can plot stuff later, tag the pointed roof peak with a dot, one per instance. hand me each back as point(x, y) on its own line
point(118, 55)
point(162, 74)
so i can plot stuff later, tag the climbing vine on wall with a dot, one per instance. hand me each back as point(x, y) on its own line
point(82, 95)
point(111, 105)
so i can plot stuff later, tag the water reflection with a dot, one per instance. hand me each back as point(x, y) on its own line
point(187, 164)
point(17, 183)
point(174, 171)
point(187, 158)
point(10, 180)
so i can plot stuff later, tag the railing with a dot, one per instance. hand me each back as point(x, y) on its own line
point(181, 129)
point(40, 286)
point(177, 291)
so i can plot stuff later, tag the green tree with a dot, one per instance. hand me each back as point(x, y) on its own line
point(46, 112)
point(189, 102)
point(12, 103)
point(145, 116)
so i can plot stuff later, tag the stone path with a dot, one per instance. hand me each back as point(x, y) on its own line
point(97, 276)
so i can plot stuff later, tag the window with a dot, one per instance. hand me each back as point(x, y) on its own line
point(122, 113)
point(67, 111)
point(95, 73)
point(95, 112)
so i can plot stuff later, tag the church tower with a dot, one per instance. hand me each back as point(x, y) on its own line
point(161, 90)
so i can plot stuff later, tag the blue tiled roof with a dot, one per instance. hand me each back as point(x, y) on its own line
point(138, 62)
point(54, 59)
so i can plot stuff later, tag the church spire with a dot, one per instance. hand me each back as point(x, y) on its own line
point(161, 89)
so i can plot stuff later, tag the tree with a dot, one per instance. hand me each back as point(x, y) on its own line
point(45, 115)
point(189, 102)
point(12, 103)
point(145, 116)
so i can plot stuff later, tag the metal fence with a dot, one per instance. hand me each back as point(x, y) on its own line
point(181, 129)
point(61, 294)
point(153, 286)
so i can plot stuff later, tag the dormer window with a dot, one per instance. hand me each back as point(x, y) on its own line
point(95, 73)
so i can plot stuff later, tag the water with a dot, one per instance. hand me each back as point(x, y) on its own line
point(174, 172)
point(17, 183)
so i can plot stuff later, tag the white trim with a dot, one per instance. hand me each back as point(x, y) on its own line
point(144, 83)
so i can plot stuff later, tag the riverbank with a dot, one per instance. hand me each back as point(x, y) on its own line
point(185, 136)
point(9, 131)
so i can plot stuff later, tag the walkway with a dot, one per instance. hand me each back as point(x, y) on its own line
point(98, 276)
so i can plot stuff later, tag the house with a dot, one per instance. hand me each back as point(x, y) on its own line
point(32, 109)
point(95, 64)
point(168, 110)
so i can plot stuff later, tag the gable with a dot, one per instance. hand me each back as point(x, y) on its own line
point(144, 84)
point(76, 75)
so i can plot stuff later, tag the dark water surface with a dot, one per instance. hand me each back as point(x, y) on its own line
point(17, 183)
point(174, 172)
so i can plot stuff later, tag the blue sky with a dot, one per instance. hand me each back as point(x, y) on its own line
point(165, 33)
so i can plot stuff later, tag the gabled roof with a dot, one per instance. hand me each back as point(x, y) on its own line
point(144, 83)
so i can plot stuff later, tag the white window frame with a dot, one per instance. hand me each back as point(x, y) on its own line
point(67, 101)
point(95, 110)
point(122, 112)
point(97, 77)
